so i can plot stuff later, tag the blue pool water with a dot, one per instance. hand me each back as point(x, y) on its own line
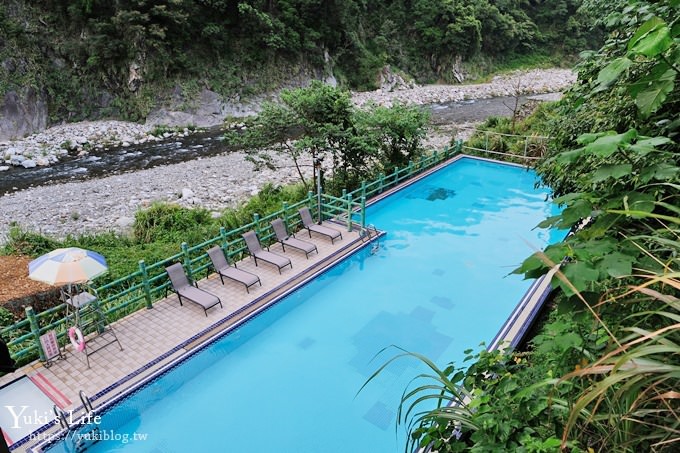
point(287, 381)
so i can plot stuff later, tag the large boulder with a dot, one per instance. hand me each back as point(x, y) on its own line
point(389, 80)
point(22, 113)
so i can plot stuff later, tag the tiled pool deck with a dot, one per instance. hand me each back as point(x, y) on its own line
point(153, 338)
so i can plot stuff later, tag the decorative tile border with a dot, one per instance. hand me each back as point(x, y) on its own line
point(501, 338)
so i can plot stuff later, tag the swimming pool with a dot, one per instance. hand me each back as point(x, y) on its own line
point(286, 381)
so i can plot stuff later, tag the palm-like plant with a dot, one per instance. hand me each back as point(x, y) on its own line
point(434, 410)
point(483, 407)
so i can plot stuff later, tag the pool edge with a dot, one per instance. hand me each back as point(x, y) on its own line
point(222, 327)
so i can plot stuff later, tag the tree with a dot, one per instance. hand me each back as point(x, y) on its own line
point(320, 121)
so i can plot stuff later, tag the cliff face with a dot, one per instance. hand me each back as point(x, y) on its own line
point(26, 110)
point(22, 113)
point(159, 62)
point(209, 108)
point(195, 61)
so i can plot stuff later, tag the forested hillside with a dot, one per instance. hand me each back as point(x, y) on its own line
point(94, 58)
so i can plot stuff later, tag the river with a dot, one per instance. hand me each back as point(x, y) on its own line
point(106, 162)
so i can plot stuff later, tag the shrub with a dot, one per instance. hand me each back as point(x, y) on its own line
point(22, 242)
point(170, 222)
point(6, 317)
point(270, 199)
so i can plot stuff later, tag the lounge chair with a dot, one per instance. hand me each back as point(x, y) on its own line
point(291, 241)
point(223, 269)
point(181, 285)
point(307, 221)
point(257, 252)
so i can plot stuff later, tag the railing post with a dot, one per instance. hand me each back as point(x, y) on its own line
point(256, 221)
point(447, 151)
point(285, 214)
point(526, 145)
point(310, 202)
point(435, 158)
point(363, 212)
point(349, 212)
point(225, 244)
point(35, 330)
point(363, 188)
point(410, 168)
point(225, 239)
point(382, 182)
point(319, 215)
point(187, 261)
point(147, 285)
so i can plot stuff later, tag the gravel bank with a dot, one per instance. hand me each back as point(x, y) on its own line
point(215, 183)
point(110, 203)
point(535, 81)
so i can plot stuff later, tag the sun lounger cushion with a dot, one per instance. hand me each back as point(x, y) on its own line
point(258, 253)
point(307, 221)
point(181, 285)
point(286, 240)
point(223, 269)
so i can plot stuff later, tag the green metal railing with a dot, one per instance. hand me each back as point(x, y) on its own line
point(150, 283)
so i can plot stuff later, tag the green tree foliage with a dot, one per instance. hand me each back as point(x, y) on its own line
point(323, 123)
point(626, 176)
point(81, 51)
point(395, 132)
point(626, 181)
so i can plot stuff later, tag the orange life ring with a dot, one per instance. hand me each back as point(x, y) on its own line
point(76, 337)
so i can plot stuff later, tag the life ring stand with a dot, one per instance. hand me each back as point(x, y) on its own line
point(77, 339)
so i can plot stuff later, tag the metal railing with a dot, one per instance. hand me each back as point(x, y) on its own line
point(149, 283)
point(529, 142)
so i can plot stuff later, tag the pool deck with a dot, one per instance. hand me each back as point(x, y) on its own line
point(152, 339)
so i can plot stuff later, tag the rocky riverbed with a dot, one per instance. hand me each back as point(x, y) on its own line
point(516, 83)
point(109, 203)
point(76, 139)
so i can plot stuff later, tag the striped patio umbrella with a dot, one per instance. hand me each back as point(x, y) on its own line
point(69, 265)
